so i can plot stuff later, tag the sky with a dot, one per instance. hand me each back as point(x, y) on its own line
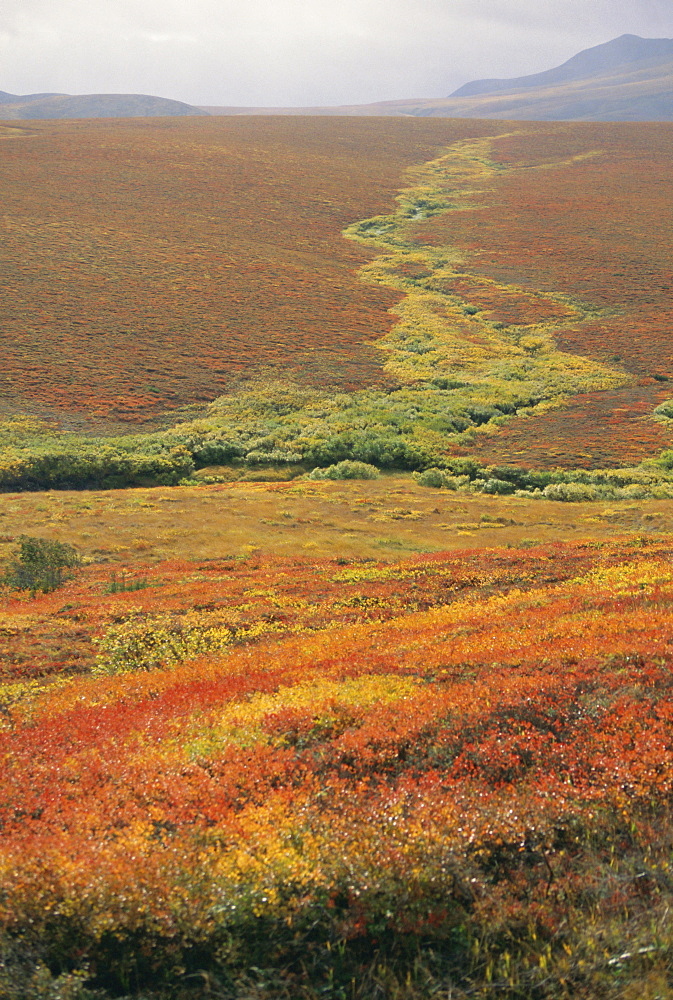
point(284, 53)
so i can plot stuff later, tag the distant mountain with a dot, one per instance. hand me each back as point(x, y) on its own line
point(13, 106)
point(627, 79)
point(621, 55)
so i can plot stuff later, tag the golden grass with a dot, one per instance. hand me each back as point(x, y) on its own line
point(381, 519)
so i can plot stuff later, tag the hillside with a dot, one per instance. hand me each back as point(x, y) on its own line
point(281, 777)
point(49, 106)
point(627, 79)
point(189, 252)
point(435, 332)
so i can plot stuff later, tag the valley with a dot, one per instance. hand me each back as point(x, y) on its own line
point(336, 532)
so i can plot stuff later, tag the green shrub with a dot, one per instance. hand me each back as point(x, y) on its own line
point(448, 383)
point(78, 467)
point(522, 479)
point(498, 486)
point(21, 979)
point(482, 414)
point(346, 470)
point(464, 467)
point(440, 479)
point(661, 491)
point(259, 457)
point(665, 409)
point(384, 449)
point(573, 492)
point(435, 478)
point(634, 491)
point(665, 460)
point(40, 564)
point(216, 451)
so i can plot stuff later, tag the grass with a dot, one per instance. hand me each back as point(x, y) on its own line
point(371, 519)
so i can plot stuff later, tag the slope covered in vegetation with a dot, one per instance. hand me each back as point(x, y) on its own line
point(489, 329)
point(332, 778)
point(595, 230)
point(304, 772)
point(145, 264)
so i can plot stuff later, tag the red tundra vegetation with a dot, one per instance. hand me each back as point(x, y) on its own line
point(163, 260)
point(450, 771)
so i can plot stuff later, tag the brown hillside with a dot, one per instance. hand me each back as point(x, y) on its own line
point(146, 263)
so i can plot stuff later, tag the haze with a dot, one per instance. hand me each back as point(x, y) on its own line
point(299, 52)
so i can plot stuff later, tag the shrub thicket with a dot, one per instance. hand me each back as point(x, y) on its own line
point(80, 465)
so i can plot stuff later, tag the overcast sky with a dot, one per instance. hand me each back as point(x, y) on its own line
point(300, 52)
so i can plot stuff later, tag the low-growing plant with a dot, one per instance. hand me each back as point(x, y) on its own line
point(155, 643)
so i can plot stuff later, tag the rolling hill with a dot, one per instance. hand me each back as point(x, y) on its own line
point(626, 79)
point(45, 106)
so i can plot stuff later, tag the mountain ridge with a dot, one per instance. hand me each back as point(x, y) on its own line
point(593, 62)
point(626, 79)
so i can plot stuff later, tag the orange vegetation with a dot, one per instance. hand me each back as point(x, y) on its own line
point(466, 748)
point(49, 635)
